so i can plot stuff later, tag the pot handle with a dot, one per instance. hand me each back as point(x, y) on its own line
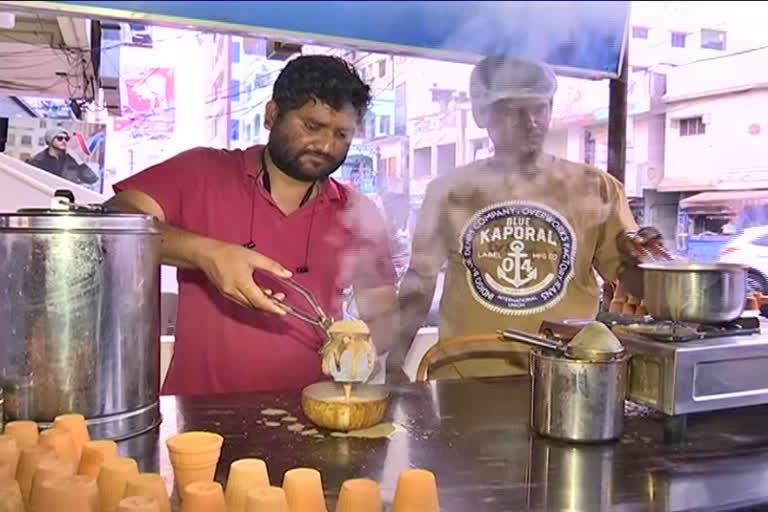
point(462, 348)
point(529, 339)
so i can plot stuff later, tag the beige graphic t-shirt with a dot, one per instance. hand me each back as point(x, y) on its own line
point(520, 247)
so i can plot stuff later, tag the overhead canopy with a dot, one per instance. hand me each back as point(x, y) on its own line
point(731, 201)
point(584, 39)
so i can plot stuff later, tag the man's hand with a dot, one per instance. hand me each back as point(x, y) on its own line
point(230, 268)
point(635, 248)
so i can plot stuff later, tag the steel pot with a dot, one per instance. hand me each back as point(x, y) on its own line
point(79, 306)
point(694, 292)
point(574, 399)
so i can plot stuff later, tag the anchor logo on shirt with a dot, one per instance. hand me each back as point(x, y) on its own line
point(516, 262)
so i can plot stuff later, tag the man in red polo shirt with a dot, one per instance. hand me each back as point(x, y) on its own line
point(234, 222)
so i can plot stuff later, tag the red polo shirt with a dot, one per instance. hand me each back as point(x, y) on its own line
point(224, 347)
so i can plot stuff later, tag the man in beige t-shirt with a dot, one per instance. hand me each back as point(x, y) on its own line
point(521, 233)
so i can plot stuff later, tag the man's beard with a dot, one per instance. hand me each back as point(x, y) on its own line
point(290, 163)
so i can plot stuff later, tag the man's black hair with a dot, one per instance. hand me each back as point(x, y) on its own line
point(323, 78)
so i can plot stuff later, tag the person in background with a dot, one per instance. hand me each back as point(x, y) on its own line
point(237, 223)
point(522, 232)
point(55, 159)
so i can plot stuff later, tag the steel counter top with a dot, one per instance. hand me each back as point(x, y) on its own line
point(474, 436)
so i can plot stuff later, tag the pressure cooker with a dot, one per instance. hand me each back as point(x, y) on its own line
point(79, 316)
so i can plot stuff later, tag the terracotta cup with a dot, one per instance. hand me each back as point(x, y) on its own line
point(61, 441)
point(94, 455)
point(10, 497)
point(203, 497)
point(69, 493)
point(28, 462)
point(359, 495)
point(138, 504)
point(194, 456)
point(24, 432)
point(9, 453)
point(75, 425)
point(304, 490)
point(6, 472)
point(47, 469)
point(416, 492)
point(244, 475)
point(112, 481)
point(150, 485)
point(266, 499)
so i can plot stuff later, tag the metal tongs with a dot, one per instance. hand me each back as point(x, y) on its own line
point(343, 365)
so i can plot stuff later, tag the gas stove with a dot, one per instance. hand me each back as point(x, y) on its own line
point(684, 368)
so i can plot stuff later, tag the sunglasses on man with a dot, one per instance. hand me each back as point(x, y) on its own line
point(62, 138)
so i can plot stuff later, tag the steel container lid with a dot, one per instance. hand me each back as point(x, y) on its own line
point(66, 216)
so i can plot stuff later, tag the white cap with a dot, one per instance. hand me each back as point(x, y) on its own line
point(502, 78)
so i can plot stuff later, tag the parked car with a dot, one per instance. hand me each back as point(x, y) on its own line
point(750, 248)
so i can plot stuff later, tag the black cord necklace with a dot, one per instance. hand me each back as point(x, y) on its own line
point(268, 187)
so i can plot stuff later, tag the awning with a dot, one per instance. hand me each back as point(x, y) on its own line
point(584, 38)
point(731, 201)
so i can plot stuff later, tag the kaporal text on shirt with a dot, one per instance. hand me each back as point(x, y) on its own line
point(519, 228)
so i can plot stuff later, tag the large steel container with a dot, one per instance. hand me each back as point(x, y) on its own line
point(79, 318)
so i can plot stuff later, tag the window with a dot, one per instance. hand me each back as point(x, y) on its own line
point(234, 128)
point(254, 46)
point(382, 68)
point(364, 74)
point(247, 132)
point(42, 124)
point(11, 139)
point(235, 52)
point(41, 141)
point(590, 149)
point(640, 32)
point(712, 39)
point(692, 126)
point(384, 122)
point(26, 140)
point(234, 90)
point(442, 95)
point(446, 157)
point(678, 39)
point(639, 69)
point(422, 162)
point(256, 125)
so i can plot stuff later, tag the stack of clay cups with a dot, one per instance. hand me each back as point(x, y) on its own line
point(9, 457)
point(150, 485)
point(359, 495)
point(138, 504)
point(244, 476)
point(29, 460)
point(24, 432)
point(76, 426)
point(75, 492)
point(194, 456)
point(47, 469)
point(264, 499)
point(203, 497)
point(93, 456)
point(10, 497)
point(304, 490)
point(416, 492)
point(112, 481)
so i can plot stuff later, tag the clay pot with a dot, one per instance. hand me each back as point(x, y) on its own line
point(61, 441)
point(325, 405)
point(75, 425)
point(203, 497)
point(24, 432)
point(150, 485)
point(359, 495)
point(416, 492)
point(93, 456)
point(10, 497)
point(304, 490)
point(244, 475)
point(29, 459)
point(266, 499)
point(138, 504)
point(9, 453)
point(194, 456)
point(112, 481)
